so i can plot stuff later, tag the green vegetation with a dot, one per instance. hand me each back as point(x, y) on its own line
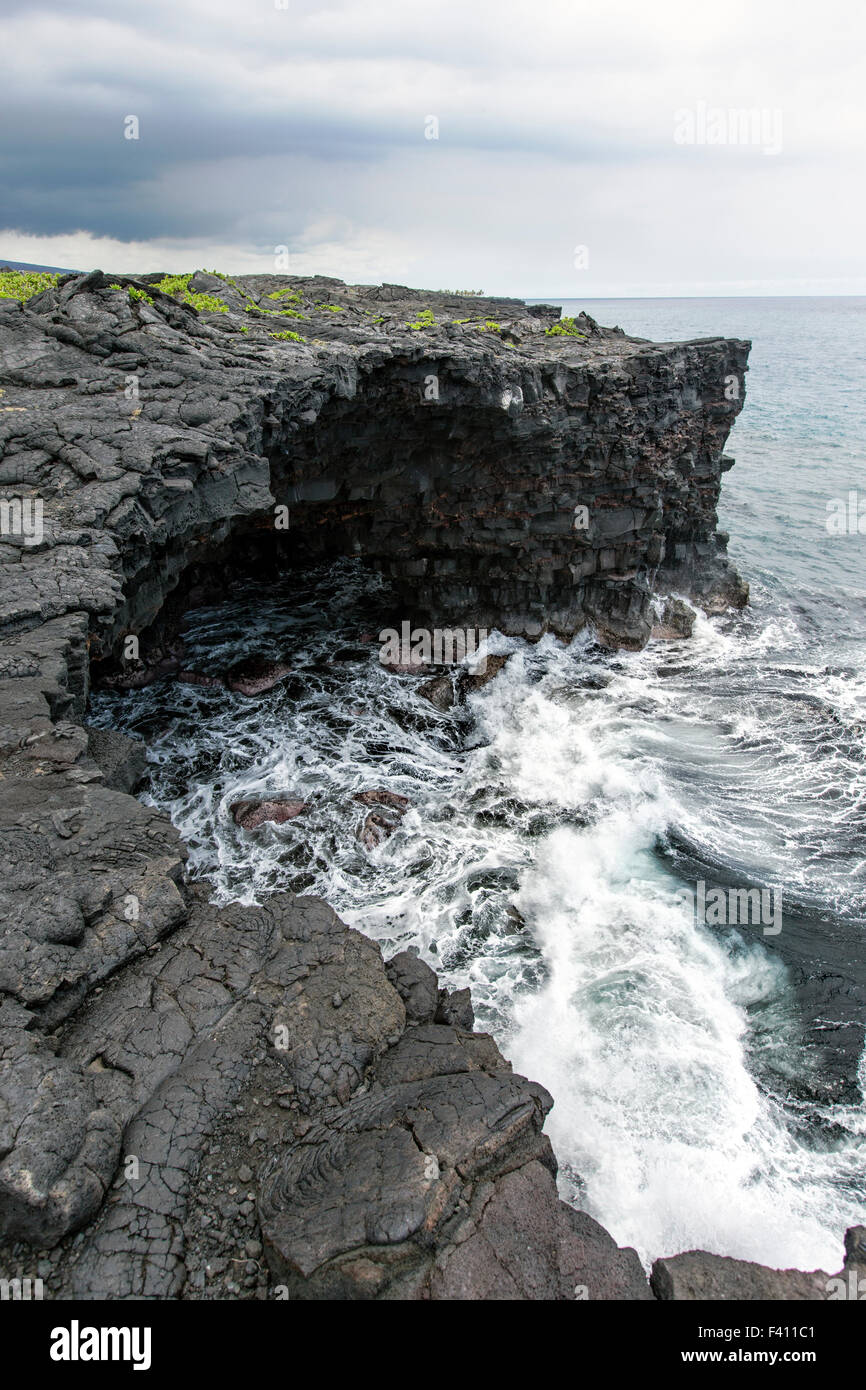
point(174, 284)
point(461, 320)
point(564, 328)
point(178, 287)
point(23, 284)
point(288, 336)
point(139, 294)
point(334, 308)
point(208, 302)
point(273, 313)
point(490, 326)
point(425, 319)
point(291, 295)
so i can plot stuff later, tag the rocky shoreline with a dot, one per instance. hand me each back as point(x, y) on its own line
point(249, 1102)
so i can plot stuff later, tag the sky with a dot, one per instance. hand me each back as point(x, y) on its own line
point(552, 149)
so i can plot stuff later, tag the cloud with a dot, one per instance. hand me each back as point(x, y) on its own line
point(260, 126)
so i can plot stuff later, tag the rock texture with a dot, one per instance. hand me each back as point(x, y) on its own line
point(697, 1275)
point(201, 1103)
point(450, 453)
point(435, 1181)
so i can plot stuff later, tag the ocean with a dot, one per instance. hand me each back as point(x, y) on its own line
point(708, 1079)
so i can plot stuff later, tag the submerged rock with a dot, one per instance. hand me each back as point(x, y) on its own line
point(380, 796)
point(376, 828)
point(198, 678)
point(378, 825)
point(256, 675)
point(450, 689)
point(439, 691)
point(249, 815)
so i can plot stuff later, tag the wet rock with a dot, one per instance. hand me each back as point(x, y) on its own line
point(376, 828)
point(378, 825)
point(380, 796)
point(446, 691)
point(256, 675)
point(407, 668)
point(470, 681)
point(440, 692)
point(249, 815)
point(677, 621)
point(198, 678)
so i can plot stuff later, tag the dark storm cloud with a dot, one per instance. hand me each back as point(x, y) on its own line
point(261, 126)
point(69, 166)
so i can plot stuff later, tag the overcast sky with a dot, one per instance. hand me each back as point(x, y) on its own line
point(584, 149)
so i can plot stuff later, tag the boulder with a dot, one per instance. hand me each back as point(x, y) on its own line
point(256, 675)
point(249, 815)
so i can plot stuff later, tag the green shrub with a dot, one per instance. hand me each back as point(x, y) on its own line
point(288, 336)
point(425, 319)
point(178, 287)
point(174, 284)
point(564, 328)
point(207, 302)
point(273, 313)
point(292, 295)
point(23, 284)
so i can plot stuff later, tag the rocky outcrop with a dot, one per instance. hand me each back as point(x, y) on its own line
point(435, 1182)
point(498, 475)
point(361, 1139)
point(696, 1275)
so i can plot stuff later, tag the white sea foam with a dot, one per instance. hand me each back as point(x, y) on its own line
point(528, 866)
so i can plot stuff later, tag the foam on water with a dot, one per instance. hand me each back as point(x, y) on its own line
point(528, 866)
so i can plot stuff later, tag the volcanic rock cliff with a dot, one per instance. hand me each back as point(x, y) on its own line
point(248, 1101)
